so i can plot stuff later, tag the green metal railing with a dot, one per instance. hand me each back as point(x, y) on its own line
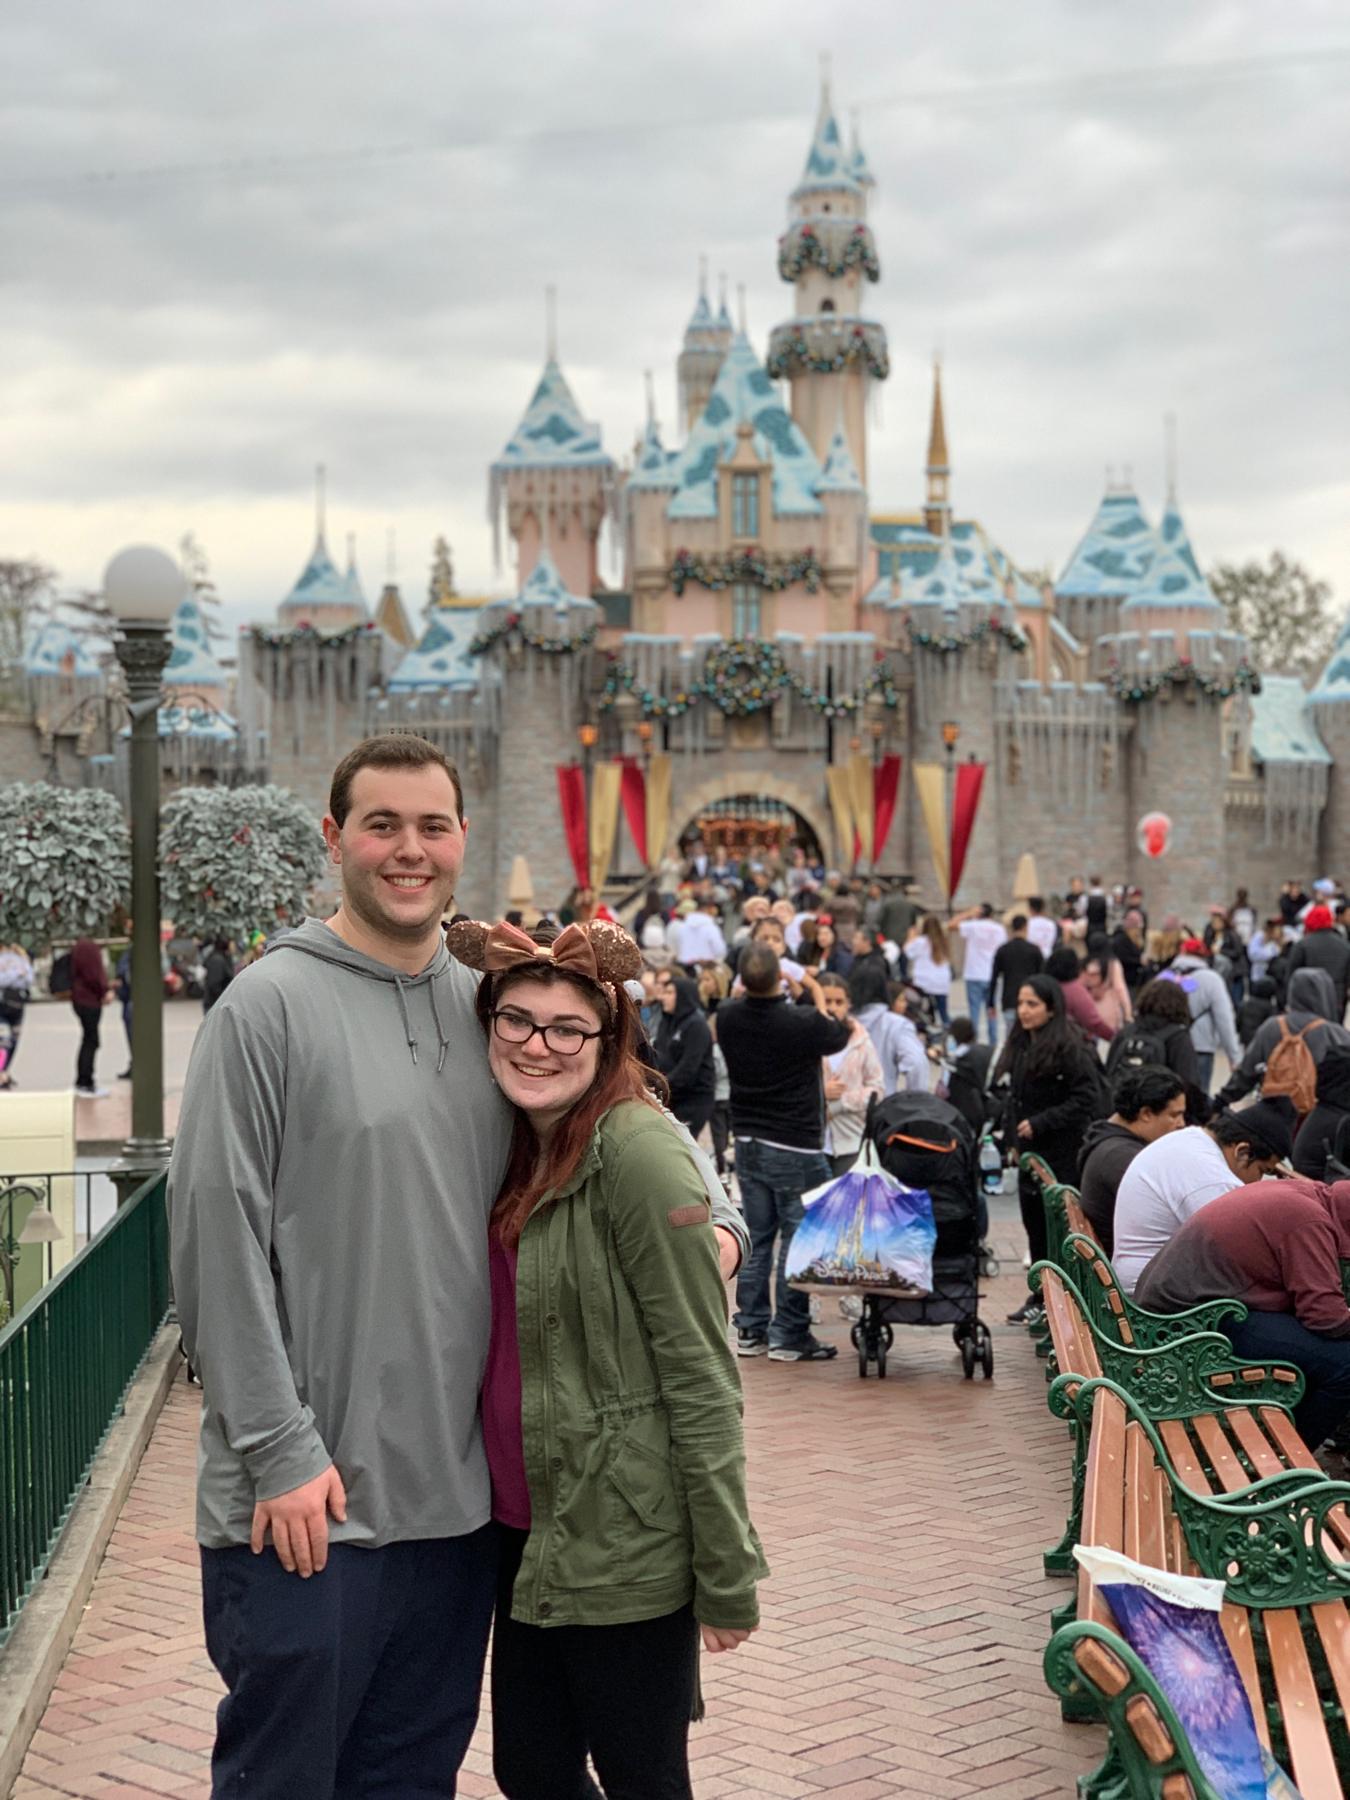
point(66, 1362)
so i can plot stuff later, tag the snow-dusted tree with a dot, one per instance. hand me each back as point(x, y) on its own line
point(236, 860)
point(65, 862)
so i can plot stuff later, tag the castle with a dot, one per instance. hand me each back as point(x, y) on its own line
point(775, 637)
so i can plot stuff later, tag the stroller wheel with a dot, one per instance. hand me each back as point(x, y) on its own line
point(883, 1344)
point(989, 1264)
point(968, 1358)
point(862, 1359)
point(987, 1356)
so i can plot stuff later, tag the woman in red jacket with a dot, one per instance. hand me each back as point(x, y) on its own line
point(88, 991)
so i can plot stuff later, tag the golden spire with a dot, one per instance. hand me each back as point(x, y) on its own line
point(937, 507)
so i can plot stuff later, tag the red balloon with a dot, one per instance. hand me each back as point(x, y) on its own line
point(1153, 834)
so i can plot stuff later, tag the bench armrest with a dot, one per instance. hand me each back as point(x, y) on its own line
point(1093, 1274)
point(1087, 1660)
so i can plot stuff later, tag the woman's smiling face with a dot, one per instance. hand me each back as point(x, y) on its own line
point(543, 1082)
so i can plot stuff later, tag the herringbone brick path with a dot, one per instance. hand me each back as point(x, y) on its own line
point(904, 1623)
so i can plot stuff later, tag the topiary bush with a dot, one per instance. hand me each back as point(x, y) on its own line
point(234, 860)
point(65, 863)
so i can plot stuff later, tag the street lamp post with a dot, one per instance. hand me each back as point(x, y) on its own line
point(143, 588)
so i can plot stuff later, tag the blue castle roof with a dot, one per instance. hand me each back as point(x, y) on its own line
point(1172, 535)
point(193, 662)
point(544, 587)
point(840, 474)
point(1173, 579)
point(907, 548)
point(1282, 725)
point(441, 657)
point(552, 432)
point(828, 163)
point(743, 391)
point(1334, 681)
point(57, 649)
point(655, 467)
point(320, 583)
point(1116, 551)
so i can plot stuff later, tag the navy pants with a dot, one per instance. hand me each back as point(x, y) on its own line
point(1324, 1362)
point(362, 1681)
point(772, 1184)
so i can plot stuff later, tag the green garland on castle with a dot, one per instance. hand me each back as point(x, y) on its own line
point(792, 353)
point(948, 643)
point(719, 573)
point(270, 638)
point(1134, 689)
point(511, 627)
point(743, 677)
point(798, 250)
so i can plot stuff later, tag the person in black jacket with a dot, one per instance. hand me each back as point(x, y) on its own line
point(684, 1051)
point(1149, 1102)
point(1160, 1033)
point(217, 974)
point(1053, 1094)
point(1323, 947)
point(1326, 1130)
point(1014, 960)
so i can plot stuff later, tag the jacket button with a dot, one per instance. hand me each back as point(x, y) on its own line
point(551, 1320)
point(545, 1608)
point(555, 1462)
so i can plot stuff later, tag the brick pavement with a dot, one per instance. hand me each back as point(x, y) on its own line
point(904, 1624)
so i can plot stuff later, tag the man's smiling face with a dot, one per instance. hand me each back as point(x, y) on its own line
point(401, 849)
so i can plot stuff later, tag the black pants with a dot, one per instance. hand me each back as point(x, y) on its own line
point(694, 1115)
point(721, 1133)
point(89, 1017)
point(625, 1693)
point(13, 1017)
point(1325, 1362)
point(361, 1681)
point(1033, 1215)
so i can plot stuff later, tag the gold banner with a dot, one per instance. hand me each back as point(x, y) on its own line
point(841, 805)
point(605, 780)
point(864, 811)
point(931, 781)
point(658, 806)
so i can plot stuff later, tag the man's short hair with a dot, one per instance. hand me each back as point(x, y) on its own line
point(1019, 921)
point(759, 970)
point(1036, 903)
point(389, 750)
point(962, 1029)
point(1149, 1088)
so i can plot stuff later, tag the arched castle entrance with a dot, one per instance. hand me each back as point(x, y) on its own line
point(749, 807)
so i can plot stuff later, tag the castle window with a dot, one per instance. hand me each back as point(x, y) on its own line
point(745, 506)
point(745, 610)
point(827, 305)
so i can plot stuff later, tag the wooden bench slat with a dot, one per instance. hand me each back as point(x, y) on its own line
point(1220, 1452)
point(1145, 1537)
point(1074, 1348)
point(1333, 1629)
point(1314, 1769)
point(1259, 1450)
point(1286, 1438)
point(1103, 1500)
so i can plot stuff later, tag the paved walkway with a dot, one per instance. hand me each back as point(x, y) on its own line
point(904, 1623)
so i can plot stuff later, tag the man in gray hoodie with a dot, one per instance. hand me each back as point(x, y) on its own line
point(340, 1148)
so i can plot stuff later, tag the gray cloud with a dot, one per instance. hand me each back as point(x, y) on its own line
point(1100, 215)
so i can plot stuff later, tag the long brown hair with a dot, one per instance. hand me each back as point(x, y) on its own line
point(534, 1170)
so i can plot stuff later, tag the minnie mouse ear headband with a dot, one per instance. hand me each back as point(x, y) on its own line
point(597, 952)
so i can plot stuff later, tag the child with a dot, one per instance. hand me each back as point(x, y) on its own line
point(968, 1082)
point(852, 1080)
point(1259, 1006)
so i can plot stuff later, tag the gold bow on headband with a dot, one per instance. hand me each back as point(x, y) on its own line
point(507, 947)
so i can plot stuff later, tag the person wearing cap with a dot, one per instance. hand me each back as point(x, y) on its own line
point(1213, 1026)
point(1171, 1180)
point(1323, 947)
point(701, 939)
point(1276, 1246)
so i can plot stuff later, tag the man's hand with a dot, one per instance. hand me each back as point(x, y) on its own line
point(298, 1522)
point(834, 1087)
point(715, 1640)
point(728, 1252)
point(1024, 1128)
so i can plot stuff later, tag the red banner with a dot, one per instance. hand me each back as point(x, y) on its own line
point(572, 802)
point(633, 793)
point(885, 787)
point(965, 805)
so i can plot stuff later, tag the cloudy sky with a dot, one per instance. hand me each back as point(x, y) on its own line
point(245, 239)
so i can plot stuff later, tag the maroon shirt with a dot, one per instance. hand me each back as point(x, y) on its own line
point(1082, 1009)
point(1275, 1245)
point(88, 974)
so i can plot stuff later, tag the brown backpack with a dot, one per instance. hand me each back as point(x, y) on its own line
point(1290, 1068)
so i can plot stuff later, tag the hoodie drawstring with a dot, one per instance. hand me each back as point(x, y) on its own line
point(442, 1041)
point(407, 1022)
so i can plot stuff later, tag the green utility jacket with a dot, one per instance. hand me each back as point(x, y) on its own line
point(630, 1396)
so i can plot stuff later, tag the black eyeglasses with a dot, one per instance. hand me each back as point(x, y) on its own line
point(519, 1028)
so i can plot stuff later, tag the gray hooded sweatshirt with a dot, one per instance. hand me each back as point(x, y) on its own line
point(341, 1144)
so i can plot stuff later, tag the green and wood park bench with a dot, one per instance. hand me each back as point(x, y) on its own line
point(1119, 1317)
point(1230, 1417)
point(1281, 1543)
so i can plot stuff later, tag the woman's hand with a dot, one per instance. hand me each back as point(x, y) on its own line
point(1024, 1128)
point(834, 1087)
point(715, 1640)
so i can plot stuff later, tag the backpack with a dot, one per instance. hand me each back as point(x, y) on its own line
point(61, 977)
point(1138, 1043)
point(1290, 1068)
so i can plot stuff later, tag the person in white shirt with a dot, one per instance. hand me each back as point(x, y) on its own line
point(701, 939)
point(982, 934)
point(1042, 931)
point(930, 962)
point(1170, 1180)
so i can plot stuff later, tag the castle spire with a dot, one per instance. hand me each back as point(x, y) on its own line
point(320, 501)
point(1170, 456)
point(937, 508)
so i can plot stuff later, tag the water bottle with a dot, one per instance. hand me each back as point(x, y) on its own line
point(991, 1165)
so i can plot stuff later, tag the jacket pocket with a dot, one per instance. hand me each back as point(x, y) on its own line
point(646, 1480)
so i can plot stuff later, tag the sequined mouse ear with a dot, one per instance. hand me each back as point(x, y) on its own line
point(617, 957)
point(466, 940)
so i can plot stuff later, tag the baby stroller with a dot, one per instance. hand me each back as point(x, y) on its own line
point(926, 1143)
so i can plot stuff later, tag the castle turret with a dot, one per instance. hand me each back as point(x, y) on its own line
point(707, 339)
point(555, 483)
point(937, 510)
point(1110, 563)
point(829, 352)
point(323, 599)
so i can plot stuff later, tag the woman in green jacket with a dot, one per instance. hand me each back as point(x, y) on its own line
point(611, 1400)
